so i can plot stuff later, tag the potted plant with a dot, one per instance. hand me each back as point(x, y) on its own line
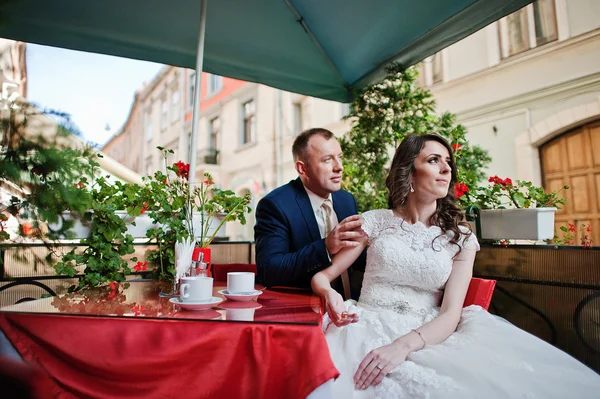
point(504, 209)
point(181, 214)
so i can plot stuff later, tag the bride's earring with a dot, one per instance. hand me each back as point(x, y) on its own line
point(412, 190)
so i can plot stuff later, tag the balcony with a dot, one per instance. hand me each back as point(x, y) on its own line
point(209, 156)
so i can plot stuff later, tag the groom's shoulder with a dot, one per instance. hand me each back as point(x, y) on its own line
point(282, 193)
point(343, 195)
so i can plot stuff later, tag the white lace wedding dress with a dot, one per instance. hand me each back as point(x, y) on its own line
point(486, 357)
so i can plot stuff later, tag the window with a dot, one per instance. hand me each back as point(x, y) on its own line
point(164, 114)
point(214, 126)
point(544, 17)
point(215, 84)
point(148, 126)
point(212, 153)
point(149, 166)
point(249, 117)
point(527, 28)
point(345, 109)
point(191, 89)
point(189, 146)
point(298, 118)
point(437, 68)
point(175, 106)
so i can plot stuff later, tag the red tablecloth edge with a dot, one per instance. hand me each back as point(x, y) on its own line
point(23, 343)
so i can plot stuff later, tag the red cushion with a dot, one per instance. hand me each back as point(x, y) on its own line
point(480, 292)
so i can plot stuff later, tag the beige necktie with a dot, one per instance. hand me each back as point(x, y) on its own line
point(330, 219)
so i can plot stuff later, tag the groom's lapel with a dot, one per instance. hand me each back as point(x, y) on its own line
point(307, 211)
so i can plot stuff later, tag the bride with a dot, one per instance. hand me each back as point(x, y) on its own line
point(408, 336)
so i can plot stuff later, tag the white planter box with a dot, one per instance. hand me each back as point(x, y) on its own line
point(517, 224)
point(214, 223)
point(142, 224)
point(81, 229)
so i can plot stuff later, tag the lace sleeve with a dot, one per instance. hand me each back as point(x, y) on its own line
point(373, 222)
point(470, 241)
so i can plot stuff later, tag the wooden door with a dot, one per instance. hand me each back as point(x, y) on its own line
point(574, 159)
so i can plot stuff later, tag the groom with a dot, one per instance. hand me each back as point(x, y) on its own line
point(297, 230)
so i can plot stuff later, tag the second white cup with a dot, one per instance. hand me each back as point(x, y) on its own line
point(240, 282)
point(196, 289)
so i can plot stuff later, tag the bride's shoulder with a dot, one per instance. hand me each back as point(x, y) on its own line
point(374, 220)
point(377, 214)
point(468, 238)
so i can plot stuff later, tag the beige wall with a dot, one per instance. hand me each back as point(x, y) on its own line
point(512, 106)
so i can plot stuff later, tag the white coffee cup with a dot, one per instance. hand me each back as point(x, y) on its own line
point(240, 282)
point(196, 289)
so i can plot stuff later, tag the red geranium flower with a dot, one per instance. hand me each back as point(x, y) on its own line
point(183, 169)
point(460, 189)
point(456, 147)
point(144, 207)
point(140, 266)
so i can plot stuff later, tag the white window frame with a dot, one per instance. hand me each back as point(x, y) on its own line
point(148, 126)
point(503, 34)
point(297, 118)
point(252, 138)
point(215, 84)
point(214, 133)
point(427, 68)
point(164, 114)
point(191, 89)
point(175, 104)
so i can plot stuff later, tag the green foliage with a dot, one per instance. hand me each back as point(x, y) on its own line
point(104, 248)
point(382, 115)
point(168, 200)
point(503, 193)
point(48, 172)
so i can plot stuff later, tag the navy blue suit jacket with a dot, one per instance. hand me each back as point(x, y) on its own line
point(289, 247)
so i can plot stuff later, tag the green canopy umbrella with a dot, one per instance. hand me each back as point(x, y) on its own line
point(321, 48)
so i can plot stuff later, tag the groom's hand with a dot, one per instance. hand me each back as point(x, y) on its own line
point(346, 234)
point(334, 304)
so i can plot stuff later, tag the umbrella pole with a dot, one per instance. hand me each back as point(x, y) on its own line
point(196, 103)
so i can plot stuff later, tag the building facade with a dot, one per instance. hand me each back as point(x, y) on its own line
point(13, 68)
point(246, 131)
point(528, 89)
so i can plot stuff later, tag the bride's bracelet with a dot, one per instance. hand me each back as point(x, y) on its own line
point(422, 339)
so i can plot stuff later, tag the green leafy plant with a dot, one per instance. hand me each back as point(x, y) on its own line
point(167, 199)
point(43, 170)
point(504, 193)
point(570, 233)
point(107, 243)
point(382, 115)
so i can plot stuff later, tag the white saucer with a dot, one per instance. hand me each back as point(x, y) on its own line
point(229, 305)
point(240, 297)
point(215, 300)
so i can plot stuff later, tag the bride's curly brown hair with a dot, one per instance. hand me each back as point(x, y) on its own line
point(448, 216)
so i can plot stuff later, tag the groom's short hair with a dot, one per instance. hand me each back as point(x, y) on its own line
point(300, 145)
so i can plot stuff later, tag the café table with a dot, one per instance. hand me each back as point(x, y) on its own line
point(126, 341)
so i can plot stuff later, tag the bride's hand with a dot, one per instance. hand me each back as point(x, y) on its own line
point(334, 304)
point(378, 363)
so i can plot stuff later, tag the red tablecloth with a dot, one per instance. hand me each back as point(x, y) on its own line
point(104, 357)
